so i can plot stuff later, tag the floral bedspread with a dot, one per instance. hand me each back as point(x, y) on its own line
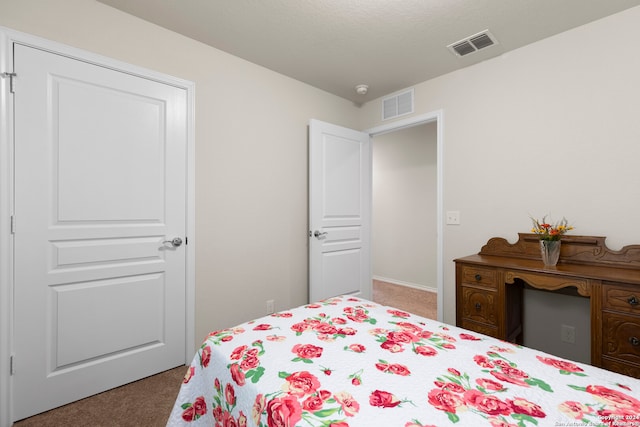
point(349, 362)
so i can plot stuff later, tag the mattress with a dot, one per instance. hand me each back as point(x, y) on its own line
point(347, 361)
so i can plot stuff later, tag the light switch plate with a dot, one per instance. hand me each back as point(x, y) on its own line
point(453, 217)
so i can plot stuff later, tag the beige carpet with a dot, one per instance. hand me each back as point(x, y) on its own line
point(148, 402)
point(417, 301)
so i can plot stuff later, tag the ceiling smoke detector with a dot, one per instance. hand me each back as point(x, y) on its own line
point(473, 43)
point(362, 89)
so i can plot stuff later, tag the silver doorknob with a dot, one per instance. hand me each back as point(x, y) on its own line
point(318, 234)
point(175, 242)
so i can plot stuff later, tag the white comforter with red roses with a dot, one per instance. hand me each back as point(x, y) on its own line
point(350, 362)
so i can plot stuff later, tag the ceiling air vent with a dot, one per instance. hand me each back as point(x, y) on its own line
point(397, 105)
point(473, 43)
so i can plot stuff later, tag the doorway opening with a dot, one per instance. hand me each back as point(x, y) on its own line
point(407, 191)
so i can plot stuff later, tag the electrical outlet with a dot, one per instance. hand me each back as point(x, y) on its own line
point(568, 334)
point(271, 306)
point(453, 217)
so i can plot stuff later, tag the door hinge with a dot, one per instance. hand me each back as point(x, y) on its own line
point(10, 76)
point(13, 224)
point(11, 370)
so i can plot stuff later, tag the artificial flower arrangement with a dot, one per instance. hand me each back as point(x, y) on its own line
point(550, 232)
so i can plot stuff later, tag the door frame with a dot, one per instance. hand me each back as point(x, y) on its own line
point(438, 117)
point(7, 38)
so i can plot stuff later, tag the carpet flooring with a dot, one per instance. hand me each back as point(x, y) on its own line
point(413, 300)
point(148, 402)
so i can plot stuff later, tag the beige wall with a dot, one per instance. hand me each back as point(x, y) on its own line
point(251, 153)
point(552, 128)
point(404, 229)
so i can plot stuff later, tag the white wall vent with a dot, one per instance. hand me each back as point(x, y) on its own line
point(397, 105)
point(473, 43)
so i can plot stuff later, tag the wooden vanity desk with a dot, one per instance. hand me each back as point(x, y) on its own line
point(489, 292)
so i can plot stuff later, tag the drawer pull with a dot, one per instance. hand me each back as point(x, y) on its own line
point(633, 300)
point(478, 277)
point(478, 306)
point(634, 341)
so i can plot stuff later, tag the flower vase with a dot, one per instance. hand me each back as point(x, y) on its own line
point(550, 250)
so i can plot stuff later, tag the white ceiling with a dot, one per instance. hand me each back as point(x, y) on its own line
point(387, 44)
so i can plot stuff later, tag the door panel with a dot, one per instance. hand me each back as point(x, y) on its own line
point(339, 209)
point(86, 331)
point(100, 184)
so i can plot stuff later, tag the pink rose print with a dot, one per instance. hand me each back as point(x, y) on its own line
point(259, 405)
point(349, 405)
point(237, 374)
point(383, 399)
point(242, 420)
point(249, 362)
point(483, 361)
point(416, 423)
point(523, 406)
point(404, 337)
point(469, 337)
point(399, 313)
point(205, 356)
point(487, 404)
point(224, 335)
point(456, 388)
point(489, 384)
point(262, 327)
point(230, 394)
point(247, 365)
point(190, 373)
point(394, 368)
point(410, 327)
point(284, 315)
point(517, 380)
point(283, 412)
point(424, 350)
point(193, 411)
point(356, 348)
point(562, 365)
point(392, 346)
point(445, 400)
point(575, 410)
point(301, 383)
point(238, 352)
point(305, 352)
point(613, 397)
point(313, 403)
point(358, 314)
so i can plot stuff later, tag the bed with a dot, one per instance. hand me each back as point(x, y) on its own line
point(348, 362)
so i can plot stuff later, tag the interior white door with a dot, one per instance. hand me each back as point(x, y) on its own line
point(339, 211)
point(100, 184)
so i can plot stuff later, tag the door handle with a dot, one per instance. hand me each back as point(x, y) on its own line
point(318, 235)
point(175, 242)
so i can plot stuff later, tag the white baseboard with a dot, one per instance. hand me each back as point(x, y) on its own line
point(407, 284)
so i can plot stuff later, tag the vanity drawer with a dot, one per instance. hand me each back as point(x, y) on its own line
point(480, 276)
point(623, 368)
point(480, 328)
point(620, 297)
point(479, 305)
point(621, 337)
